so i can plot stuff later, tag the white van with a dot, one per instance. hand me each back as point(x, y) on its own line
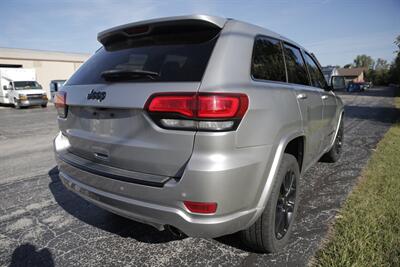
point(19, 87)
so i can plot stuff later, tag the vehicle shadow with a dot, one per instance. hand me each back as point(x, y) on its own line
point(28, 255)
point(374, 92)
point(234, 240)
point(102, 219)
point(6, 105)
point(387, 115)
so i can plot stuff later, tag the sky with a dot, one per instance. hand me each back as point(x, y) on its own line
point(336, 31)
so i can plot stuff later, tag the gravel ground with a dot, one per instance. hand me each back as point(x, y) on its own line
point(43, 224)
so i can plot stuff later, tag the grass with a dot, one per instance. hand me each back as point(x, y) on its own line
point(367, 229)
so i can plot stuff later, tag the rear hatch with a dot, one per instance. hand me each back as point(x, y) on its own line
point(106, 123)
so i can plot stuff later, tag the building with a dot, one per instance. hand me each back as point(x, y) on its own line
point(49, 65)
point(328, 72)
point(344, 76)
point(356, 75)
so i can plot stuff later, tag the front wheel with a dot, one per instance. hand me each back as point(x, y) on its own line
point(271, 231)
point(44, 106)
point(16, 104)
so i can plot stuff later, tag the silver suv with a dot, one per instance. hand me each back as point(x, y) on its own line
point(199, 124)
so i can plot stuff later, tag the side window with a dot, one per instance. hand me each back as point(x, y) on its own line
point(268, 63)
point(317, 78)
point(297, 72)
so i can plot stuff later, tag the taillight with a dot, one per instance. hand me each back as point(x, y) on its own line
point(60, 100)
point(201, 207)
point(182, 104)
point(193, 111)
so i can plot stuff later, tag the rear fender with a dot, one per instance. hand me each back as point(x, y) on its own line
point(270, 173)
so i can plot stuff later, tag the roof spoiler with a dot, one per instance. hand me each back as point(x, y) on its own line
point(145, 27)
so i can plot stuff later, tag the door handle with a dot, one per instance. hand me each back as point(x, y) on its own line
point(301, 96)
point(324, 97)
point(101, 156)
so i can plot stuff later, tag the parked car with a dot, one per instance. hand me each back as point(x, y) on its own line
point(199, 124)
point(355, 87)
point(366, 85)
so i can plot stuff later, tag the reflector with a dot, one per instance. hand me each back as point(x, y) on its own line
point(201, 207)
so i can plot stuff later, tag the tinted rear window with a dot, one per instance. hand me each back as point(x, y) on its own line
point(268, 61)
point(174, 61)
point(297, 72)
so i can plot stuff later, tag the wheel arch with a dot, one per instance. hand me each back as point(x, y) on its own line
point(288, 140)
point(295, 147)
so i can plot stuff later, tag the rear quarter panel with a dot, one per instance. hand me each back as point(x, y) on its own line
point(273, 109)
point(273, 115)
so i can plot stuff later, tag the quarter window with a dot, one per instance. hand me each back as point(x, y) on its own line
point(297, 72)
point(268, 63)
point(317, 78)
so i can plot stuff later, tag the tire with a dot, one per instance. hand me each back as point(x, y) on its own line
point(44, 106)
point(266, 234)
point(16, 105)
point(334, 153)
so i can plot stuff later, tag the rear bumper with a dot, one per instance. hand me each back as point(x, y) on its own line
point(160, 206)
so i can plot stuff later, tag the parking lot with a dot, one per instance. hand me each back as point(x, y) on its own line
point(42, 224)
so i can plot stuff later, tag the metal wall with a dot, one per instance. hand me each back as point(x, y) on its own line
point(48, 65)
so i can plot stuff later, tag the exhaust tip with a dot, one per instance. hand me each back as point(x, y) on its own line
point(175, 232)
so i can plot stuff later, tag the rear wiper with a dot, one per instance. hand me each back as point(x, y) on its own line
point(128, 74)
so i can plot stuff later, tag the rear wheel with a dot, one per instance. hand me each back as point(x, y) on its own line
point(272, 229)
point(333, 155)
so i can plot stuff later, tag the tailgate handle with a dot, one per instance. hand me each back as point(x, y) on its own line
point(101, 156)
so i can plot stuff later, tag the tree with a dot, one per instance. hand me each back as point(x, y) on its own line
point(397, 42)
point(364, 61)
point(347, 66)
point(394, 74)
point(381, 64)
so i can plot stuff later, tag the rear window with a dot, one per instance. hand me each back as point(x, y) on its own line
point(268, 61)
point(172, 61)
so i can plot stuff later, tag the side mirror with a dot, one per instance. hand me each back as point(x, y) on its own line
point(5, 87)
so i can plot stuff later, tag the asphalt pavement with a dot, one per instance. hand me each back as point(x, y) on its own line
point(43, 224)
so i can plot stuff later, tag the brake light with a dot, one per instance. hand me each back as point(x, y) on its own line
point(193, 111)
point(201, 207)
point(60, 100)
point(173, 103)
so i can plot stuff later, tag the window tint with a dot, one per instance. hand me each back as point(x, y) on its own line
point(317, 78)
point(173, 62)
point(297, 72)
point(268, 61)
